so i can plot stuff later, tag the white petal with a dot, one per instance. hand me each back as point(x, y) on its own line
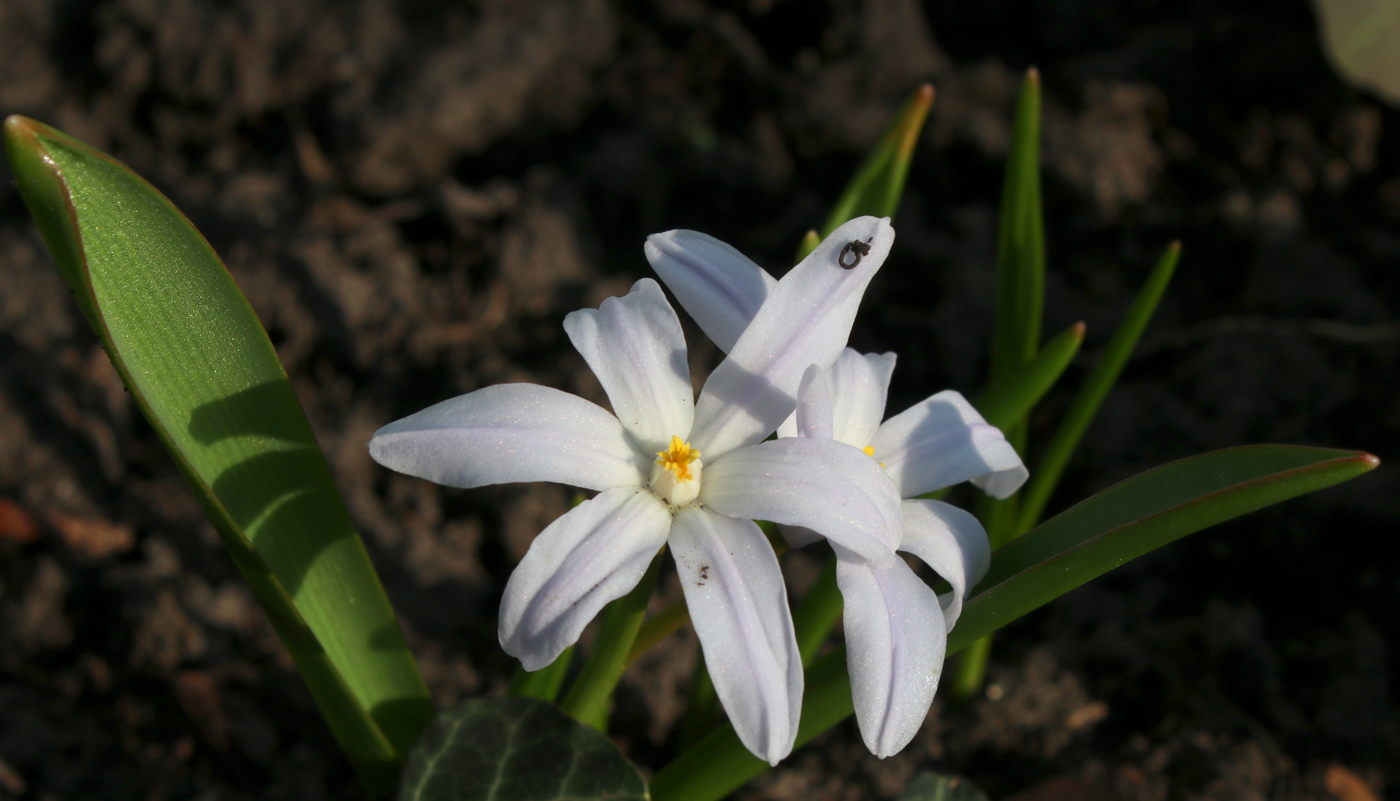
point(798, 537)
point(738, 604)
point(512, 432)
point(953, 543)
point(635, 346)
point(595, 553)
point(788, 428)
point(814, 406)
point(895, 643)
point(821, 484)
point(719, 286)
point(805, 320)
point(859, 384)
point(944, 441)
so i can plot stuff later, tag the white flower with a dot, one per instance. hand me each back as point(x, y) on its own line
point(691, 475)
point(896, 628)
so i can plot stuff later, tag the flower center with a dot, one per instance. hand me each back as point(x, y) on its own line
point(676, 476)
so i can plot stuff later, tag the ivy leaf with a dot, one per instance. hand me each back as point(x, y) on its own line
point(516, 749)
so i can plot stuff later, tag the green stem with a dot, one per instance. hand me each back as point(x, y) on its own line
point(658, 627)
point(817, 614)
point(587, 701)
point(545, 682)
point(700, 709)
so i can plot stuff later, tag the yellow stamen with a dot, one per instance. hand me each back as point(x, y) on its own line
point(870, 451)
point(678, 458)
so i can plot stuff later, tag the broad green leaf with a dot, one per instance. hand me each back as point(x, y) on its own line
point(1359, 39)
point(879, 183)
point(930, 786)
point(200, 367)
point(1020, 242)
point(516, 749)
point(1098, 534)
point(1046, 474)
point(1008, 402)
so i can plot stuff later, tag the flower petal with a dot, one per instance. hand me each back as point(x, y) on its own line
point(635, 346)
point(595, 553)
point(814, 406)
point(859, 384)
point(512, 432)
point(953, 543)
point(738, 603)
point(719, 286)
point(895, 643)
point(821, 484)
point(805, 320)
point(944, 441)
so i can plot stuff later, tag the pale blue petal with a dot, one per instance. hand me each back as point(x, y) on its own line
point(738, 604)
point(594, 554)
point(512, 432)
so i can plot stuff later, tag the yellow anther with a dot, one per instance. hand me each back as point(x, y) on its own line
point(677, 458)
point(870, 451)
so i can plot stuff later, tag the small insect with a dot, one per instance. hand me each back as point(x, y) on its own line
point(854, 248)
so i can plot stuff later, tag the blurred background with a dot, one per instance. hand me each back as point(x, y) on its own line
point(413, 194)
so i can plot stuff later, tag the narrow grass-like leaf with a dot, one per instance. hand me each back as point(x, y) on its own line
point(1008, 402)
point(200, 367)
point(588, 699)
point(516, 749)
point(544, 683)
point(817, 613)
point(1098, 534)
point(658, 627)
point(1051, 466)
point(1020, 242)
point(878, 185)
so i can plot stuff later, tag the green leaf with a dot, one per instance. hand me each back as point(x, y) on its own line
point(588, 700)
point(544, 683)
point(816, 615)
point(1086, 541)
point(879, 183)
point(1046, 475)
point(200, 367)
point(1143, 513)
point(1359, 38)
point(1020, 242)
point(516, 749)
point(930, 786)
point(1007, 403)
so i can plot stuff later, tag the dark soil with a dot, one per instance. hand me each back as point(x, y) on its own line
point(413, 196)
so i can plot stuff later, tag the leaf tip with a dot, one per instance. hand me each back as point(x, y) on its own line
point(1370, 461)
point(22, 137)
point(1077, 330)
point(1033, 77)
point(923, 96)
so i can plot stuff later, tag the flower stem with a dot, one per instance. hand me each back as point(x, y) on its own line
point(587, 701)
point(817, 614)
point(545, 682)
point(700, 709)
point(658, 627)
